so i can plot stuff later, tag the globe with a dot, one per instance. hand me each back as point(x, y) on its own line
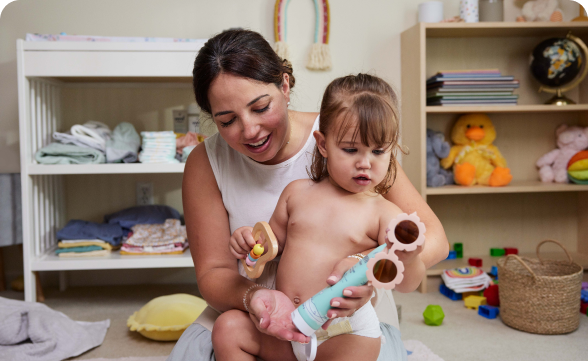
point(556, 62)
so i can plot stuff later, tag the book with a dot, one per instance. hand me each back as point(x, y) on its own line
point(466, 279)
point(473, 102)
point(488, 72)
point(476, 93)
point(453, 89)
point(494, 97)
point(474, 83)
point(436, 79)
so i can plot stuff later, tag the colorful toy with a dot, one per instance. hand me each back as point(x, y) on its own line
point(497, 252)
point(254, 255)
point(541, 10)
point(494, 271)
point(492, 296)
point(508, 251)
point(476, 262)
point(570, 140)
point(261, 232)
point(473, 157)
point(490, 312)
point(585, 285)
point(584, 308)
point(449, 293)
point(473, 302)
point(578, 168)
point(433, 315)
point(452, 255)
point(437, 148)
point(458, 248)
point(584, 296)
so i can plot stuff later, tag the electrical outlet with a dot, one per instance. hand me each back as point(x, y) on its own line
point(144, 193)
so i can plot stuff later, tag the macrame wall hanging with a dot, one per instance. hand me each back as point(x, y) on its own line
point(320, 55)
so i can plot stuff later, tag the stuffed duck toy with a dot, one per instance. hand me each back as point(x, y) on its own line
point(473, 157)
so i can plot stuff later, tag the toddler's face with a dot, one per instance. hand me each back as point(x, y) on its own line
point(352, 165)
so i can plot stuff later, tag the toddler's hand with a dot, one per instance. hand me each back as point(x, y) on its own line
point(241, 242)
point(409, 257)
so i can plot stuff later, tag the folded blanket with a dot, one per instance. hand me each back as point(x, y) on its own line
point(78, 229)
point(94, 132)
point(33, 332)
point(84, 243)
point(168, 233)
point(56, 153)
point(85, 254)
point(124, 144)
point(78, 249)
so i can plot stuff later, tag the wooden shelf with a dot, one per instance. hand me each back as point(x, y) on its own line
point(514, 187)
point(502, 29)
point(489, 261)
point(131, 168)
point(539, 108)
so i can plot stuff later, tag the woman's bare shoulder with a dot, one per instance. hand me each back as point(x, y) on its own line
point(307, 118)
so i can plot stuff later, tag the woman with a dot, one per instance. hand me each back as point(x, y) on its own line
point(235, 178)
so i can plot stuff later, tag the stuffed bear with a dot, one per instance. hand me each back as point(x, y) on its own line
point(437, 148)
point(570, 140)
point(476, 160)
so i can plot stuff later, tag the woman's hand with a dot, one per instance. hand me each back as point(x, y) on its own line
point(270, 312)
point(241, 242)
point(354, 296)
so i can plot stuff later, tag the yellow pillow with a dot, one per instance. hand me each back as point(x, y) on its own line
point(165, 318)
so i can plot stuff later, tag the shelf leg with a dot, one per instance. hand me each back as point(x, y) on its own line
point(39, 288)
point(62, 281)
point(30, 286)
point(2, 276)
point(423, 285)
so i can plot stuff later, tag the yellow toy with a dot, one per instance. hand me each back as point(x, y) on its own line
point(263, 232)
point(165, 318)
point(473, 302)
point(473, 157)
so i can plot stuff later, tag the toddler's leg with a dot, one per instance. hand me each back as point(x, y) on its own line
point(349, 347)
point(235, 337)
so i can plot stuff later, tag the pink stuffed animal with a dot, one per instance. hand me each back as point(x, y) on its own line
point(570, 141)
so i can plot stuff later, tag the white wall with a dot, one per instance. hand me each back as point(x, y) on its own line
point(365, 36)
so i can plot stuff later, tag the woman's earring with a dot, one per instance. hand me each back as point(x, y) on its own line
point(288, 103)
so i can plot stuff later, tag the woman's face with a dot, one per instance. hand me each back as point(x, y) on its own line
point(251, 116)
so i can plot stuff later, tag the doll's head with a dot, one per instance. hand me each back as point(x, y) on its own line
point(358, 135)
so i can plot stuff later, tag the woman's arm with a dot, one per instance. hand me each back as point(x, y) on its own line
point(207, 224)
point(407, 198)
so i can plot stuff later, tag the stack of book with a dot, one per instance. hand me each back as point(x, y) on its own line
point(466, 279)
point(471, 87)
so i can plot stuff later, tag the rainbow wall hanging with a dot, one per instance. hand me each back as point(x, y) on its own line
point(320, 55)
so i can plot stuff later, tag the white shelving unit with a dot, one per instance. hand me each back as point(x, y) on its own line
point(44, 69)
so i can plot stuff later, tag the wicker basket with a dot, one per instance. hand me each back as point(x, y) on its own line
point(540, 296)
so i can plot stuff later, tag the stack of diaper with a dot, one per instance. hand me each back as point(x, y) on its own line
point(158, 147)
point(150, 239)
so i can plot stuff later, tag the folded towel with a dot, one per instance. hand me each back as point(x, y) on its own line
point(92, 132)
point(78, 229)
point(67, 138)
point(57, 153)
point(152, 214)
point(78, 249)
point(102, 252)
point(32, 331)
point(124, 144)
point(84, 243)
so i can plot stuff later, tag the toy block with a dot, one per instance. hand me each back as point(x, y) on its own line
point(584, 308)
point(451, 255)
point(492, 295)
point(508, 251)
point(476, 262)
point(459, 254)
point(458, 248)
point(497, 252)
point(449, 293)
point(489, 312)
point(494, 271)
point(584, 296)
point(473, 302)
point(433, 315)
point(585, 285)
point(468, 294)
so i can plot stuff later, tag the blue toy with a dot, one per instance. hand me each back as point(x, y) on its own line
point(437, 148)
point(449, 293)
point(452, 255)
point(488, 311)
point(494, 271)
point(584, 296)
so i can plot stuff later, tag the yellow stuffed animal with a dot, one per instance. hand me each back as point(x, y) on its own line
point(476, 160)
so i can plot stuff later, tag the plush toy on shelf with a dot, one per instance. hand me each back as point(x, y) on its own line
point(553, 165)
point(437, 148)
point(473, 157)
point(541, 10)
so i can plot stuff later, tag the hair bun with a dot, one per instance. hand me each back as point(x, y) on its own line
point(288, 69)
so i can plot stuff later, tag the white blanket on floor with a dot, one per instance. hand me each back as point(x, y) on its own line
point(34, 332)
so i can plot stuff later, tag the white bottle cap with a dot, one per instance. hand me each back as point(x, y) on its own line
point(193, 109)
point(310, 349)
point(301, 324)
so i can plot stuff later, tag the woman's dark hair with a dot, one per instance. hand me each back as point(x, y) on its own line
point(368, 104)
point(239, 52)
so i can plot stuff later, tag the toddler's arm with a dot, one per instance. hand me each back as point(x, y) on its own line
point(279, 220)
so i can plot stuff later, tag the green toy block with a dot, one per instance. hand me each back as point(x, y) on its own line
point(497, 252)
point(433, 315)
point(458, 248)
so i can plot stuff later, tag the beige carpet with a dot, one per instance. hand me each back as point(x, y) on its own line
point(463, 336)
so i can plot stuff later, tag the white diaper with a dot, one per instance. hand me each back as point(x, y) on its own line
point(364, 322)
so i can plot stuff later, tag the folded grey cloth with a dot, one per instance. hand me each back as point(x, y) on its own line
point(10, 210)
point(124, 144)
point(57, 153)
point(33, 332)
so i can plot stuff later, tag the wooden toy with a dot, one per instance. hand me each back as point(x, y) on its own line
point(473, 302)
point(497, 252)
point(491, 294)
point(489, 312)
point(476, 262)
point(508, 251)
point(263, 232)
point(451, 255)
point(254, 255)
point(433, 315)
point(449, 293)
point(458, 248)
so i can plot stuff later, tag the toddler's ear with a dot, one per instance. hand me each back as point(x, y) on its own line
point(321, 142)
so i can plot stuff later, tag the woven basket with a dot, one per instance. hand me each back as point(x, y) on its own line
point(540, 296)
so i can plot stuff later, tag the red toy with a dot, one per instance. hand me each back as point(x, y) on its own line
point(511, 251)
point(491, 294)
point(584, 307)
point(476, 262)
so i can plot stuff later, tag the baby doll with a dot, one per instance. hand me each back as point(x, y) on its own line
point(339, 212)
